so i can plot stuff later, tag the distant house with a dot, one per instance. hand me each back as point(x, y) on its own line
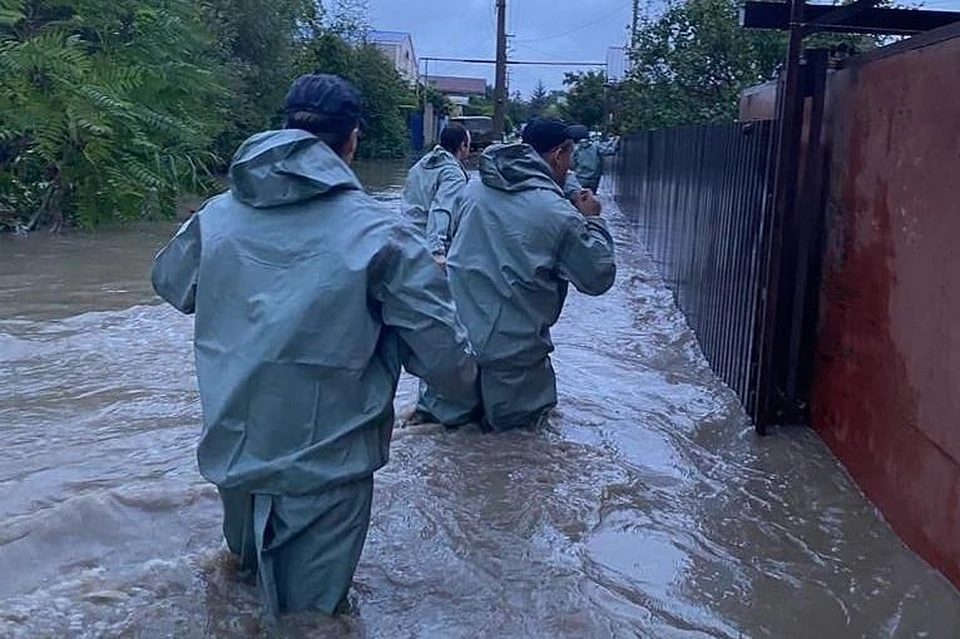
point(397, 46)
point(458, 89)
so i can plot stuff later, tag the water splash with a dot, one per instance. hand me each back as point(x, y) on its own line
point(647, 509)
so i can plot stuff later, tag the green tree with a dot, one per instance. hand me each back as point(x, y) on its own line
point(107, 109)
point(258, 54)
point(690, 65)
point(478, 105)
point(585, 98)
point(385, 93)
point(441, 104)
point(326, 52)
point(539, 100)
point(385, 96)
point(350, 19)
point(110, 109)
point(517, 108)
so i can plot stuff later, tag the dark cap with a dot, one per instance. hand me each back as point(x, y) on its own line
point(546, 134)
point(329, 97)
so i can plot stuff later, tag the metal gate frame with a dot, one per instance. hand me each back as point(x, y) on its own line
point(744, 270)
point(791, 287)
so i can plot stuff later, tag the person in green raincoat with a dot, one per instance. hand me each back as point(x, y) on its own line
point(517, 245)
point(308, 297)
point(588, 162)
point(429, 197)
point(432, 187)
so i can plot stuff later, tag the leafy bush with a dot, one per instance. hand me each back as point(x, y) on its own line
point(385, 93)
point(111, 109)
point(105, 108)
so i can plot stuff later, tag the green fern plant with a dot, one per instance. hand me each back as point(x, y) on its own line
point(107, 110)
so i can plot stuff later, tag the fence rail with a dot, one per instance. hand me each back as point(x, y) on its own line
point(700, 200)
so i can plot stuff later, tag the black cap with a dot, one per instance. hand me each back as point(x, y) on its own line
point(329, 97)
point(546, 134)
point(579, 132)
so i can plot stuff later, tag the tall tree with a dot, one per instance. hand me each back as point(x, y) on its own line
point(539, 100)
point(106, 108)
point(256, 45)
point(585, 98)
point(384, 91)
point(691, 63)
point(109, 109)
point(517, 108)
point(350, 19)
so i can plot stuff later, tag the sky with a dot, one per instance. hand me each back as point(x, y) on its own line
point(555, 30)
point(580, 31)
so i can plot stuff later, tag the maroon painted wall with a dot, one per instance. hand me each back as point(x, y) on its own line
point(887, 388)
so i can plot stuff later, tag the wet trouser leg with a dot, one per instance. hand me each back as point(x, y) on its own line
point(238, 526)
point(305, 548)
point(450, 412)
point(517, 396)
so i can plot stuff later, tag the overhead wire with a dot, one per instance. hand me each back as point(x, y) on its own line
point(580, 26)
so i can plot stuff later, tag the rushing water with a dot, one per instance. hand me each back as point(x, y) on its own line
point(648, 509)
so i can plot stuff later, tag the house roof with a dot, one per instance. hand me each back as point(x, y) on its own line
point(457, 85)
point(391, 37)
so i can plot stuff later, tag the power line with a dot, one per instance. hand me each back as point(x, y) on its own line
point(543, 63)
point(527, 47)
point(581, 26)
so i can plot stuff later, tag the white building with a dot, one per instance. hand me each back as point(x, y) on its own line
point(618, 64)
point(397, 46)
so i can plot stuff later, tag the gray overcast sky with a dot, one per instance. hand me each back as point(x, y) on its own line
point(566, 30)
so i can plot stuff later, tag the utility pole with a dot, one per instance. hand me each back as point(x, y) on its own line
point(500, 84)
point(636, 21)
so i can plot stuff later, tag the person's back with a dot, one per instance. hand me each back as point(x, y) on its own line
point(518, 243)
point(520, 227)
point(284, 307)
point(432, 186)
point(308, 297)
point(588, 164)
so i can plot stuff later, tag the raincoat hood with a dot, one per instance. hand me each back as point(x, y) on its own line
point(516, 167)
point(438, 158)
point(277, 168)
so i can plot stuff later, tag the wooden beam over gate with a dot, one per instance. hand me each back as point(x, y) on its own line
point(846, 18)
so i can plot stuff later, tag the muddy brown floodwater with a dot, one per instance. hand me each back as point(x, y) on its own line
point(649, 509)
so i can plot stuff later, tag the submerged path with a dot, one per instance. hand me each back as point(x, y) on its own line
point(649, 509)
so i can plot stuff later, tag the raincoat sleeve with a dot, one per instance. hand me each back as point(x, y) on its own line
point(452, 181)
point(175, 268)
point(571, 185)
point(585, 255)
point(609, 147)
point(415, 301)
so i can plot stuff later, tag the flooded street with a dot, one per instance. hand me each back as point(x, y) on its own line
point(648, 509)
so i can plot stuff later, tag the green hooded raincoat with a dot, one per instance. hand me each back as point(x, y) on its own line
point(430, 193)
point(308, 297)
point(517, 245)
